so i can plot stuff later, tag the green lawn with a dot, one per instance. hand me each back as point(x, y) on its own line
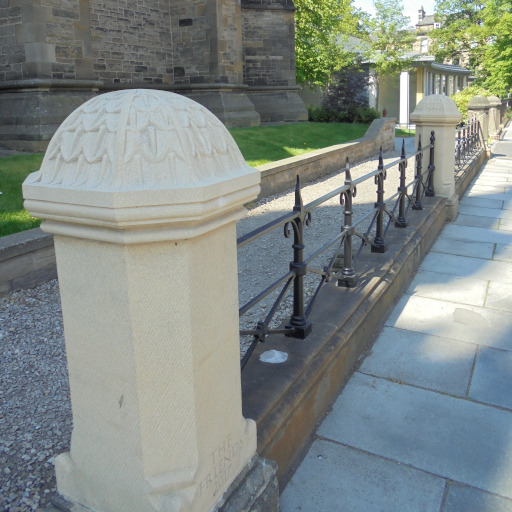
point(405, 133)
point(13, 171)
point(264, 144)
point(259, 145)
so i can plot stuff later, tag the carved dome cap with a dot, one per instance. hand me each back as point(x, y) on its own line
point(478, 102)
point(437, 105)
point(494, 101)
point(140, 139)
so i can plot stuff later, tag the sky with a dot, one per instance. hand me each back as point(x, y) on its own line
point(410, 7)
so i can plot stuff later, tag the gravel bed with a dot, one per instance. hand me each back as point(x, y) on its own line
point(35, 411)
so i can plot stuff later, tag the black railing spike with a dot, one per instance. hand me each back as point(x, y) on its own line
point(379, 245)
point(419, 182)
point(348, 177)
point(402, 189)
point(430, 192)
point(298, 196)
point(419, 142)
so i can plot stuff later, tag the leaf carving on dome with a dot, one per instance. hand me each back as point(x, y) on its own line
point(140, 139)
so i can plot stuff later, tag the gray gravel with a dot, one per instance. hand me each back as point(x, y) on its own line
point(35, 411)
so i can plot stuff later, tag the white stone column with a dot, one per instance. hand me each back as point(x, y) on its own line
point(142, 190)
point(403, 115)
point(439, 113)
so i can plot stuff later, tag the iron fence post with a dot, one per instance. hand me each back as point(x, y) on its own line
point(348, 272)
point(379, 245)
point(419, 182)
point(458, 148)
point(430, 192)
point(401, 221)
point(299, 326)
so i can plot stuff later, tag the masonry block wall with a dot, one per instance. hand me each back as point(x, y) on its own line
point(269, 42)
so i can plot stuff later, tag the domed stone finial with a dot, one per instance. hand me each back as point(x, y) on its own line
point(478, 102)
point(137, 150)
point(494, 101)
point(436, 108)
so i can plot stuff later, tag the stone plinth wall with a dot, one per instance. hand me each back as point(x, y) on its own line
point(27, 259)
point(281, 175)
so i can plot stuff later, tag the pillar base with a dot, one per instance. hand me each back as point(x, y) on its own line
point(32, 110)
point(228, 102)
point(255, 489)
point(278, 104)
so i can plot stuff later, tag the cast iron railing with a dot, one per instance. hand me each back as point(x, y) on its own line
point(395, 209)
point(468, 145)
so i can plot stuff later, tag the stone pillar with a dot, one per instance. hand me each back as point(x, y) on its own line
point(494, 117)
point(478, 107)
point(439, 113)
point(142, 190)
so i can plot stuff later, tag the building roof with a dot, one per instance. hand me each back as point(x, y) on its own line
point(427, 20)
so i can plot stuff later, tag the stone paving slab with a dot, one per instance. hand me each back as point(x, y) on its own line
point(336, 478)
point(505, 225)
point(494, 196)
point(499, 296)
point(488, 187)
point(455, 289)
point(477, 221)
point(503, 252)
point(421, 360)
point(493, 178)
point(493, 213)
point(484, 203)
point(450, 437)
point(471, 324)
point(455, 232)
point(469, 499)
point(464, 248)
point(463, 266)
point(492, 378)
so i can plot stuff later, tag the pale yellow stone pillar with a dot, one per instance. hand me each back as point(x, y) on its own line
point(494, 117)
point(478, 107)
point(439, 113)
point(142, 190)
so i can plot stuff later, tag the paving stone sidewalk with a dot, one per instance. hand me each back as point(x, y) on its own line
point(426, 422)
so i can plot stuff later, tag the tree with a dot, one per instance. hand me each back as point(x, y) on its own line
point(320, 27)
point(477, 33)
point(496, 64)
point(389, 40)
point(461, 37)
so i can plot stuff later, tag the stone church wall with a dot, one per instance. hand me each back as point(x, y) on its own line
point(131, 41)
point(268, 46)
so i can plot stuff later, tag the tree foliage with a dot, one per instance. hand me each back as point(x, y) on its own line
point(320, 27)
point(389, 40)
point(496, 64)
point(462, 98)
point(462, 30)
point(479, 29)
